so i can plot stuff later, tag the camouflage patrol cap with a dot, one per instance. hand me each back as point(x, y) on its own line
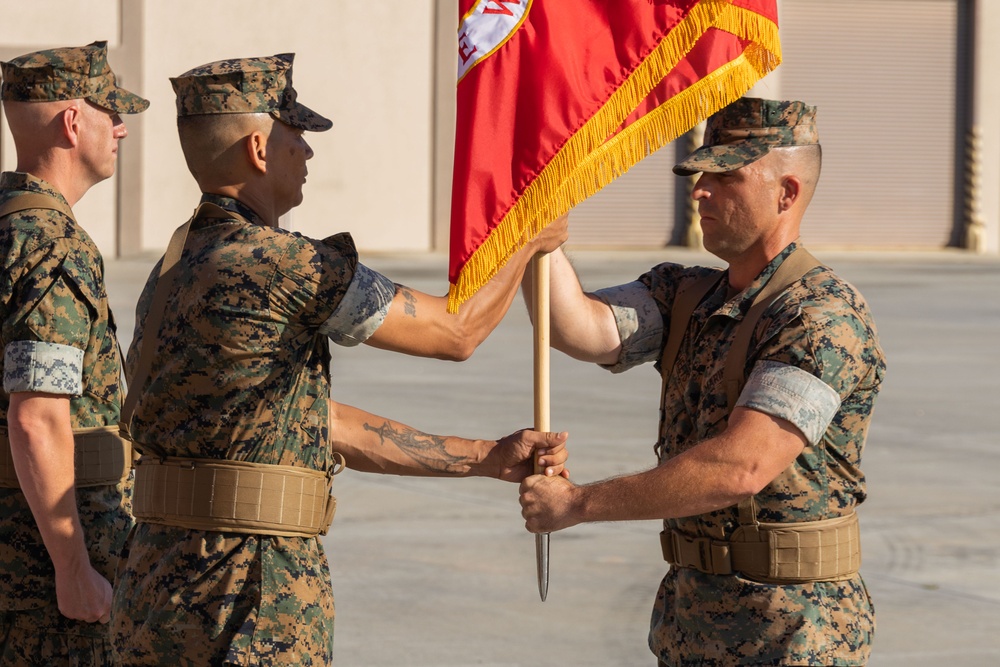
point(72, 73)
point(746, 130)
point(246, 85)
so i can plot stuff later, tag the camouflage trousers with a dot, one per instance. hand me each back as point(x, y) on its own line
point(44, 637)
point(197, 598)
point(727, 621)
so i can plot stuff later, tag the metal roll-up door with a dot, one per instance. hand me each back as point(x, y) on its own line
point(882, 73)
point(634, 210)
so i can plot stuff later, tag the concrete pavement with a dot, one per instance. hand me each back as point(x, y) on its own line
point(440, 573)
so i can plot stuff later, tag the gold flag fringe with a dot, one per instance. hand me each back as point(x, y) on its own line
point(588, 161)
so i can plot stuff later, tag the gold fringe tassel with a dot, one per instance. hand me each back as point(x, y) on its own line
point(588, 161)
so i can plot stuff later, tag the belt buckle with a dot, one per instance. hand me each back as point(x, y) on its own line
point(697, 553)
point(705, 555)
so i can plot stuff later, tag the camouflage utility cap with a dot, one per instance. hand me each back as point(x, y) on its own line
point(72, 73)
point(746, 130)
point(246, 85)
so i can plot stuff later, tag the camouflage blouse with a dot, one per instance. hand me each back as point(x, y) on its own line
point(241, 371)
point(58, 337)
point(820, 325)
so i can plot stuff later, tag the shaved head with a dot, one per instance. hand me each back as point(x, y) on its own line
point(72, 144)
point(213, 144)
point(806, 162)
point(36, 126)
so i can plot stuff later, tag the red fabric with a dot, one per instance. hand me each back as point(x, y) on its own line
point(518, 106)
point(713, 50)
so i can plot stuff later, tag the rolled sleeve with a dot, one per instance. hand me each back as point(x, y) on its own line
point(362, 310)
point(43, 367)
point(791, 394)
point(640, 325)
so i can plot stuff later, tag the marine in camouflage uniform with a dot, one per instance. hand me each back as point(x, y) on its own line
point(814, 365)
point(244, 377)
point(58, 339)
point(241, 372)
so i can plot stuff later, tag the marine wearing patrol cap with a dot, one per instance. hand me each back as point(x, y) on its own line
point(746, 130)
point(246, 85)
point(71, 73)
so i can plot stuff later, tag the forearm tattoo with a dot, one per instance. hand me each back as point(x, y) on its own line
point(410, 308)
point(427, 450)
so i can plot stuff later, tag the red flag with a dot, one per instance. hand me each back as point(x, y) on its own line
point(556, 99)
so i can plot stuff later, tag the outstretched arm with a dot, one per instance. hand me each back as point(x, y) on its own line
point(582, 325)
point(371, 443)
point(716, 473)
point(420, 324)
point(41, 445)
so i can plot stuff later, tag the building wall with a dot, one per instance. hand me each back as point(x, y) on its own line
point(886, 77)
point(22, 30)
point(883, 130)
point(367, 66)
point(383, 71)
point(986, 117)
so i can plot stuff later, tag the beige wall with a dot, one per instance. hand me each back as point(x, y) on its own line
point(986, 115)
point(66, 24)
point(382, 70)
point(367, 66)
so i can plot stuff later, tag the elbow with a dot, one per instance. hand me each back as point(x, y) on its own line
point(42, 417)
point(461, 355)
point(748, 482)
point(16, 423)
point(449, 349)
point(461, 342)
point(20, 418)
point(460, 351)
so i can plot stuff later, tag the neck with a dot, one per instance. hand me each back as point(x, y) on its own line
point(60, 174)
point(745, 267)
point(262, 206)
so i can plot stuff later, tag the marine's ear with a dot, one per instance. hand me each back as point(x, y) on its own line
point(70, 124)
point(791, 190)
point(256, 147)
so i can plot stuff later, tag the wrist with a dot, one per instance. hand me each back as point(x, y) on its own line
point(579, 504)
point(65, 545)
point(70, 560)
point(490, 463)
point(482, 461)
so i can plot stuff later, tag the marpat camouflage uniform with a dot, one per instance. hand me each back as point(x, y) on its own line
point(241, 373)
point(58, 338)
point(815, 361)
point(820, 325)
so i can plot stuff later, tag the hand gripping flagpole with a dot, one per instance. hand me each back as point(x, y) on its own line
point(540, 286)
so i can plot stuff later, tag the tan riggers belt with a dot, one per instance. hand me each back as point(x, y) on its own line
point(218, 494)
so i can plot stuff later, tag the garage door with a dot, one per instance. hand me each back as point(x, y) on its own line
point(634, 210)
point(882, 73)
